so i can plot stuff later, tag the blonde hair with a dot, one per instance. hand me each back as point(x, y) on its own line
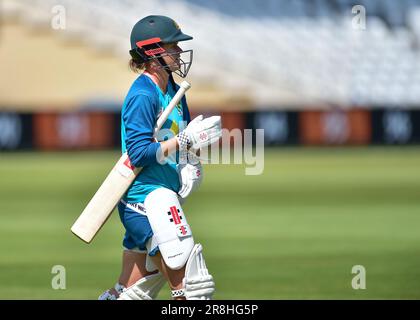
point(136, 66)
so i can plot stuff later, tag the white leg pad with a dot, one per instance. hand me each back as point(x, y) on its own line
point(171, 231)
point(147, 288)
point(198, 283)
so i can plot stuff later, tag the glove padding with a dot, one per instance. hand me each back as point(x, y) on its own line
point(190, 176)
point(200, 133)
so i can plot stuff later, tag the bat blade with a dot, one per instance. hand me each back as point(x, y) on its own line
point(105, 199)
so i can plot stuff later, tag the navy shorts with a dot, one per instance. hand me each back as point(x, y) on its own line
point(137, 227)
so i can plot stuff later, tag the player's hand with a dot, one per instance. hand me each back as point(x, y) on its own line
point(200, 133)
point(190, 176)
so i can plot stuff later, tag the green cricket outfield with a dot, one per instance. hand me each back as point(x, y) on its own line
point(294, 232)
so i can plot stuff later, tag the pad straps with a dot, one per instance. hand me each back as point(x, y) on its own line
point(178, 293)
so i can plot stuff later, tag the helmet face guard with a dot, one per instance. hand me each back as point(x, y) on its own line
point(150, 49)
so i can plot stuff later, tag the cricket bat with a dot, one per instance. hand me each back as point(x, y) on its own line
point(122, 175)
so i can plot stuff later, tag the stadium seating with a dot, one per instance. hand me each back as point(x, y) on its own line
point(295, 51)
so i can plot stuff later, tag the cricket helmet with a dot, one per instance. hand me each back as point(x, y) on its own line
point(147, 37)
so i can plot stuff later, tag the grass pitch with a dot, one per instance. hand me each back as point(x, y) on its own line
point(294, 232)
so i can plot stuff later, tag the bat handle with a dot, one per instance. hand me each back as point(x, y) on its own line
point(175, 100)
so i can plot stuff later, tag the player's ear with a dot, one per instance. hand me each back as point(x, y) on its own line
point(148, 64)
point(153, 64)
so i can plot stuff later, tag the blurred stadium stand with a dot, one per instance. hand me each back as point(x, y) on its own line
point(284, 56)
point(294, 53)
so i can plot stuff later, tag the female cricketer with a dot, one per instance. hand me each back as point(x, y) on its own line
point(158, 244)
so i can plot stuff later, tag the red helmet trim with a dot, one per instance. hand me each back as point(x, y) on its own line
point(148, 41)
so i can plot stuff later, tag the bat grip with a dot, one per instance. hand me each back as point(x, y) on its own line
point(175, 100)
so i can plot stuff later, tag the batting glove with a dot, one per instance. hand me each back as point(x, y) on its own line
point(200, 133)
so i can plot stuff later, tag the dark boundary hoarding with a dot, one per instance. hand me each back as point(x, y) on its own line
point(94, 130)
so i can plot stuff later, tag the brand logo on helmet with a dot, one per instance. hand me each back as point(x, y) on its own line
point(176, 25)
point(153, 52)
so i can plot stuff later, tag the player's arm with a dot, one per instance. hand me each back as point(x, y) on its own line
point(169, 146)
point(140, 119)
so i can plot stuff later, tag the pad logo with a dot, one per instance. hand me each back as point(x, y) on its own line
point(175, 214)
point(183, 231)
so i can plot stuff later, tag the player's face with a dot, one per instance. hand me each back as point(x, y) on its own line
point(173, 58)
point(176, 59)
